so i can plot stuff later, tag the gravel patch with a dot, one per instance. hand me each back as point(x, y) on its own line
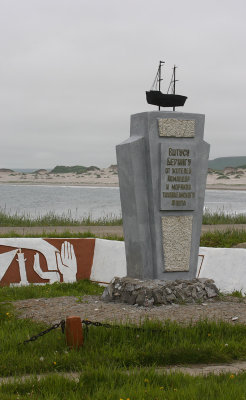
point(52, 310)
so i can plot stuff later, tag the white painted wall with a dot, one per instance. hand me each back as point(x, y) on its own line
point(109, 260)
point(227, 267)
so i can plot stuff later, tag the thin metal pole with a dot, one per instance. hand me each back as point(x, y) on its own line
point(160, 79)
point(174, 82)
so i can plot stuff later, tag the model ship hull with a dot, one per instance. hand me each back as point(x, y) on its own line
point(165, 100)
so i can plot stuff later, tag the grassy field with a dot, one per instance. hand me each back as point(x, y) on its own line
point(57, 289)
point(221, 217)
point(51, 219)
point(117, 362)
point(65, 234)
point(152, 345)
point(229, 238)
point(112, 384)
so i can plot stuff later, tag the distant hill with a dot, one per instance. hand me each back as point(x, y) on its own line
point(41, 171)
point(6, 170)
point(223, 162)
point(77, 169)
point(25, 170)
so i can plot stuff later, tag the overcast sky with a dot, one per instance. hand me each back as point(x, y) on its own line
point(73, 71)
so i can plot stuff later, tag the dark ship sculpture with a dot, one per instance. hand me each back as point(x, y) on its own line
point(157, 98)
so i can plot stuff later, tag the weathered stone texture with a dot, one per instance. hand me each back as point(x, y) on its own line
point(171, 127)
point(176, 233)
point(150, 292)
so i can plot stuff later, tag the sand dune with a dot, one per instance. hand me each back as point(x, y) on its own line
point(109, 177)
point(103, 177)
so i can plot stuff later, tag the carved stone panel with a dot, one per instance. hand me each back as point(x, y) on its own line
point(171, 127)
point(176, 235)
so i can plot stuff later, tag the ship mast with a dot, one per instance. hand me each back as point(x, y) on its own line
point(174, 81)
point(159, 77)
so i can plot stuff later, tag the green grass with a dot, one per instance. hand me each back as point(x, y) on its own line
point(51, 219)
point(112, 384)
point(238, 294)
point(228, 238)
point(220, 217)
point(155, 344)
point(57, 289)
point(65, 234)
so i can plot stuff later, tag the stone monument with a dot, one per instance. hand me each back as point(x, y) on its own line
point(162, 175)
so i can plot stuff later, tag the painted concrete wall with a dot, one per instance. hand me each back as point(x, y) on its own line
point(35, 260)
point(227, 267)
point(24, 261)
point(109, 260)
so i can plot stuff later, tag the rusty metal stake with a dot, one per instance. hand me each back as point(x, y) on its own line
point(74, 332)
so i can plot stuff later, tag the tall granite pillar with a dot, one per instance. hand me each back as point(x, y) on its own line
point(162, 174)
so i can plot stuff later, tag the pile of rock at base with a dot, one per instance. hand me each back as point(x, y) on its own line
point(151, 292)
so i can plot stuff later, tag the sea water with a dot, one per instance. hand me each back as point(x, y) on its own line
point(96, 202)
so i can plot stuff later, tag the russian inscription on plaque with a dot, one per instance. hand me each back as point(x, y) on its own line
point(178, 184)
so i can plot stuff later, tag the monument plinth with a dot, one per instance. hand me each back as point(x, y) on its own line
point(162, 175)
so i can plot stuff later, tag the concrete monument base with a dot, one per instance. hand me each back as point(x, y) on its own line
point(147, 293)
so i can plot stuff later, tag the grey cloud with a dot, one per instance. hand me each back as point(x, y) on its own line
point(73, 71)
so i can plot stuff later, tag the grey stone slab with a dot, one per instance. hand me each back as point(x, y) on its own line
point(133, 176)
point(162, 174)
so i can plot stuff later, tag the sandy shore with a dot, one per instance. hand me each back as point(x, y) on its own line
point(59, 183)
point(108, 177)
point(226, 187)
point(229, 181)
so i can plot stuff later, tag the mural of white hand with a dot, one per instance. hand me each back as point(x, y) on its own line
point(67, 263)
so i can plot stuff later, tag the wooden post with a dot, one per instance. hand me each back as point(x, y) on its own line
point(74, 332)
